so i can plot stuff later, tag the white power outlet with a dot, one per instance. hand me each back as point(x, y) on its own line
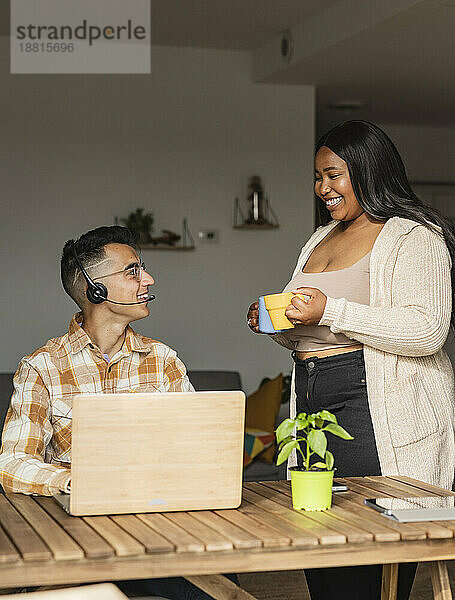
point(209, 236)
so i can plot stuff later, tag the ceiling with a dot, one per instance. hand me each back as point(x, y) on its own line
point(399, 65)
point(223, 24)
point(227, 24)
point(402, 69)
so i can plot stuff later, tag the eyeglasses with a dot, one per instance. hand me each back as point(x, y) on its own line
point(135, 270)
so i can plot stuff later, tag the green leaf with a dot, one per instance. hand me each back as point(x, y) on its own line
point(317, 442)
point(339, 431)
point(319, 422)
point(319, 465)
point(327, 416)
point(301, 421)
point(329, 460)
point(286, 451)
point(284, 429)
point(312, 419)
point(287, 439)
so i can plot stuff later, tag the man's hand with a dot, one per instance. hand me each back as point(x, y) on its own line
point(306, 312)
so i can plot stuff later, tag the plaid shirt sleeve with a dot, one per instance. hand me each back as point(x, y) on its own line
point(26, 434)
point(175, 373)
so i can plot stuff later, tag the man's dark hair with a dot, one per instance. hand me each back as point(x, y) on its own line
point(90, 250)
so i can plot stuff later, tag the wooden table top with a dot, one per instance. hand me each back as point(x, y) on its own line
point(264, 533)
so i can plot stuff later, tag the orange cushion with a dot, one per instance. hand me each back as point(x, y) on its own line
point(262, 408)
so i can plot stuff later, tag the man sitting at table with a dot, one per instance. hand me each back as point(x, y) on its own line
point(100, 353)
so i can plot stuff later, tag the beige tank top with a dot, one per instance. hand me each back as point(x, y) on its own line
point(351, 283)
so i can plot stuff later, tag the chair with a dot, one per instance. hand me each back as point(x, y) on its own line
point(6, 391)
point(207, 381)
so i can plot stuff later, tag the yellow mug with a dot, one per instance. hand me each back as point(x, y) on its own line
point(276, 305)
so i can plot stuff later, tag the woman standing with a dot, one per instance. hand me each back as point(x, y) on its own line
point(367, 345)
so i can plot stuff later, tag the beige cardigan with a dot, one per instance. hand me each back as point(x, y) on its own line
point(409, 377)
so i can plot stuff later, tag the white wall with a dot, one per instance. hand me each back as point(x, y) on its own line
point(428, 152)
point(78, 150)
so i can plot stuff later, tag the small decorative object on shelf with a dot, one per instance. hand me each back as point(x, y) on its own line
point(168, 240)
point(260, 213)
point(140, 224)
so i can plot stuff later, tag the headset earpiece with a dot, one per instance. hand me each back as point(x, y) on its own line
point(96, 292)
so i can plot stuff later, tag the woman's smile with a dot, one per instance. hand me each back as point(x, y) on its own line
point(333, 202)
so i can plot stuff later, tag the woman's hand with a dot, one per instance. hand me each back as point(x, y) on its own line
point(306, 312)
point(253, 317)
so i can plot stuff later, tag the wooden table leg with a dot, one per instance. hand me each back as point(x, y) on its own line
point(440, 580)
point(389, 582)
point(220, 587)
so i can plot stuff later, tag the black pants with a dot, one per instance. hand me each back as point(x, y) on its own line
point(338, 384)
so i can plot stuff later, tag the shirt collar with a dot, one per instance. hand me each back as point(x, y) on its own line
point(78, 338)
point(136, 342)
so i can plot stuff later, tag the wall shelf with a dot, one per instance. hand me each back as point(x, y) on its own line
point(246, 226)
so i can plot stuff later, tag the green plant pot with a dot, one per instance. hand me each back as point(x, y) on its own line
point(311, 490)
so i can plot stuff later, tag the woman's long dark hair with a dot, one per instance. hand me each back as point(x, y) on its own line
point(380, 183)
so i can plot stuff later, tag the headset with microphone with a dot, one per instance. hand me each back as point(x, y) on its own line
point(96, 291)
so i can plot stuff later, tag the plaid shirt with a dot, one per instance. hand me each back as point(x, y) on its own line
point(36, 445)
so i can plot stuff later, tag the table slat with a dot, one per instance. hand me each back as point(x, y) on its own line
point(421, 485)
point(270, 537)
point(353, 502)
point(297, 521)
point(400, 487)
point(152, 541)
point(91, 542)
point(8, 552)
point(408, 531)
point(432, 529)
point(380, 487)
point(182, 540)
point(448, 524)
point(297, 534)
point(26, 540)
point(240, 538)
point(62, 546)
point(212, 540)
point(122, 542)
point(378, 527)
point(351, 530)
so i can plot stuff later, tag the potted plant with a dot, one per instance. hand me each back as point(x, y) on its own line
point(311, 484)
point(140, 224)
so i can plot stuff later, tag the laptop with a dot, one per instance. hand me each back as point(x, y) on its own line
point(137, 453)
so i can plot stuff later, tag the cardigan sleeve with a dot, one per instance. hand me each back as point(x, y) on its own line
point(418, 320)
